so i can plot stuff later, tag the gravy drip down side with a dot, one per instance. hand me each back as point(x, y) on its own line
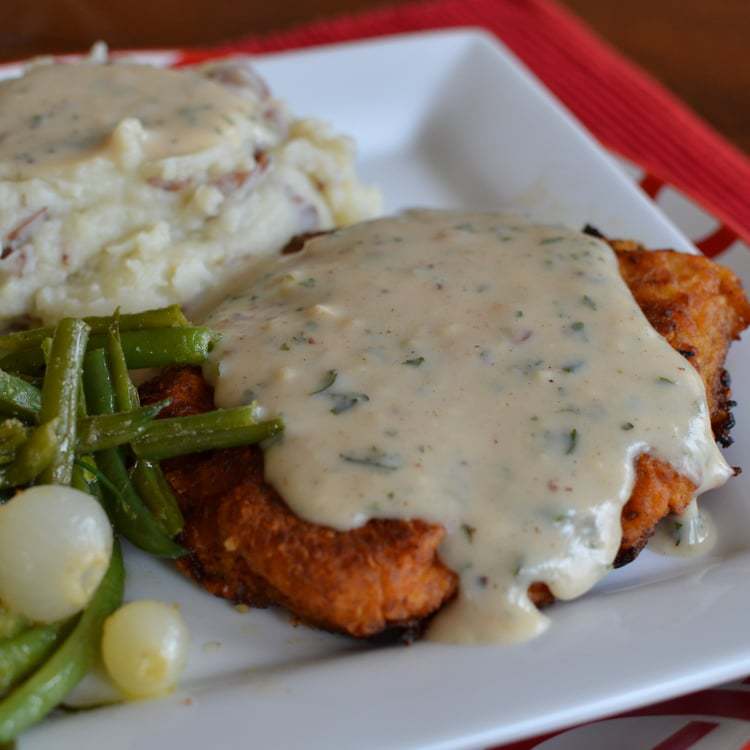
point(473, 370)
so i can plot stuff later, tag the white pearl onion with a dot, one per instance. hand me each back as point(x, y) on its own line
point(144, 648)
point(55, 546)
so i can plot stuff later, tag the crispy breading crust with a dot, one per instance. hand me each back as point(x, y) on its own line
point(249, 547)
point(698, 306)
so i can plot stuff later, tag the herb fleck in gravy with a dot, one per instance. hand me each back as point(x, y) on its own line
point(690, 534)
point(501, 386)
point(59, 114)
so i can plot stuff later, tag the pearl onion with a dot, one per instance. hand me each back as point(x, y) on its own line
point(55, 546)
point(144, 648)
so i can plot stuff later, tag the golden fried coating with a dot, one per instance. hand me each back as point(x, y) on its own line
point(249, 547)
point(698, 306)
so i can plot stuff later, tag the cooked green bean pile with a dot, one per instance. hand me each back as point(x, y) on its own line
point(70, 415)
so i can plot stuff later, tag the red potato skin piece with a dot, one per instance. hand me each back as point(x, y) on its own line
point(248, 546)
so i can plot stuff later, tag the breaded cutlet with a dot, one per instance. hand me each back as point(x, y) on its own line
point(248, 546)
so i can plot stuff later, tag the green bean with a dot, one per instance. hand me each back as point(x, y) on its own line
point(33, 458)
point(84, 466)
point(223, 428)
point(60, 395)
point(12, 436)
point(47, 349)
point(13, 431)
point(19, 398)
point(35, 698)
point(7, 455)
point(93, 433)
point(160, 317)
point(130, 515)
point(159, 347)
point(110, 430)
point(25, 362)
point(79, 478)
point(128, 512)
point(164, 317)
point(35, 380)
point(146, 475)
point(11, 624)
point(155, 347)
point(153, 487)
point(20, 655)
point(85, 478)
point(97, 383)
point(126, 395)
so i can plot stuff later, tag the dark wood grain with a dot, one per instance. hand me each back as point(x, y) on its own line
point(698, 48)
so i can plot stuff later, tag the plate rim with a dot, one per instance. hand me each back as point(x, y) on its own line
point(573, 715)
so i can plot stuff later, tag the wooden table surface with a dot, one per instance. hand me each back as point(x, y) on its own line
point(698, 48)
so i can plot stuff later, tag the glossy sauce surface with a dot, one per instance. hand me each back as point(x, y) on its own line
point(58, 114)
point(473, 370)
point(690, 534)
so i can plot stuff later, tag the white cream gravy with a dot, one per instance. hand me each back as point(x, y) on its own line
point(59, 114)
point(472, 370)
point(691, 533)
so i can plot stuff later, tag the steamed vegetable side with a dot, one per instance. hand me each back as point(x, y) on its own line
point(55, 547)
point(144, 648)
point(79, 465)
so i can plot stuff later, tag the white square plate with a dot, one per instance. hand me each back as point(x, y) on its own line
point(451, 120)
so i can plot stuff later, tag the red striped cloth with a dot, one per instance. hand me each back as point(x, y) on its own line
point(628, 111)
point(704, 715)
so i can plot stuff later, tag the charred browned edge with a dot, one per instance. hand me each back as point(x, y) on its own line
point(724, 423)
point(593, 232)
point(298, 241)
point(626, 555)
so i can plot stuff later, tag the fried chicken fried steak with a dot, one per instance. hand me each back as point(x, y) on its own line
point(248, 546)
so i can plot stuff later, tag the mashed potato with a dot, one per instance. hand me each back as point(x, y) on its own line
point(131, 186)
